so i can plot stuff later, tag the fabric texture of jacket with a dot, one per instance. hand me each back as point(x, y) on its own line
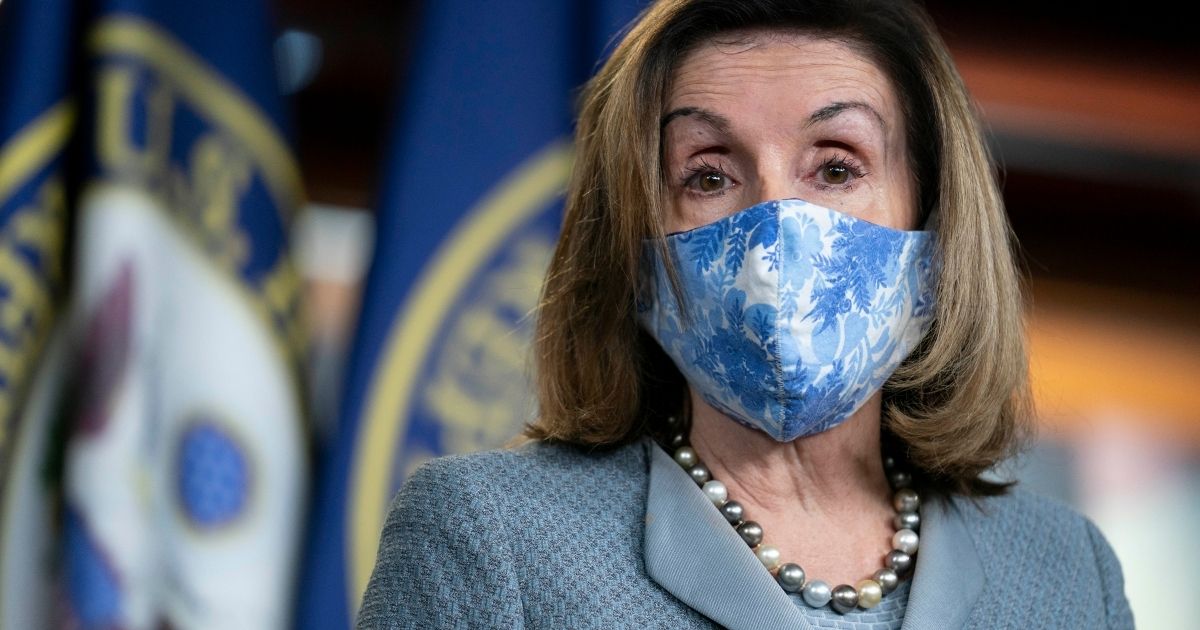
point(556, 536)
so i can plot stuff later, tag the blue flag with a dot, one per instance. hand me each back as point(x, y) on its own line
point(183, 469)
point(467, 222)
point(37, 117)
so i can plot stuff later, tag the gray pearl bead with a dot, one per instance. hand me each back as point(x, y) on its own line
point(899, 561)
point(900, 479)
point(844, 598)
point(733, 512)
point(816, 593)
point(906, 500)
point(907, 520)
point(889, 463)
point(888, 579)
point(677, 441)
point(685, 456)
point(790, 577)
point(700, 474)
point(751, 532)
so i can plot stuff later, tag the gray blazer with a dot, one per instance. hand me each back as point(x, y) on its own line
point(553, 536)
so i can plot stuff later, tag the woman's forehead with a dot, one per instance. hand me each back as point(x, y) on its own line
point(781, 70)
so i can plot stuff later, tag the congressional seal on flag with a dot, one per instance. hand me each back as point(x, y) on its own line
point(181, 448)
point(466, 224)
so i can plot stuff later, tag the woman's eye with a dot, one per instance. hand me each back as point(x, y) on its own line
point(836, 174)
point(711, 182)
point(706, 179)
point(839, 171)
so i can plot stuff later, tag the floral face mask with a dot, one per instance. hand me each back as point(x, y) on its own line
point(797, 314)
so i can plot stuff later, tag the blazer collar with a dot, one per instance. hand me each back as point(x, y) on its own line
point(949, 576)
point(692, 552)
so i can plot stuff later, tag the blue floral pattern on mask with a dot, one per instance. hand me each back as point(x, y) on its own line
point(796, 314)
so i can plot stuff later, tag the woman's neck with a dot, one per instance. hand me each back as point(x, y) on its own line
point(823, 500)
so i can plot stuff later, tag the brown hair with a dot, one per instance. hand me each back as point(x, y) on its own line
point(956, 406)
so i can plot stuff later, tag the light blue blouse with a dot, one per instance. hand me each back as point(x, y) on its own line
point(888, 615)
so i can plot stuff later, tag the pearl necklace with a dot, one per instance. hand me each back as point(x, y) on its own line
point(790, 576)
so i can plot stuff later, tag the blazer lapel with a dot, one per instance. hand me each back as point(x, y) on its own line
point(691, 551)
point(949, 577)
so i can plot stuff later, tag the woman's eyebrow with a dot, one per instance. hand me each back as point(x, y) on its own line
point(712, 119)
point(832, 110)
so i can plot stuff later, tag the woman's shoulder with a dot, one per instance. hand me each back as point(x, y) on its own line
point(1026, 516)
point(538, 466)
point(1034, 522)
point(543, 477)
point(544, 535)
point(1025, 539)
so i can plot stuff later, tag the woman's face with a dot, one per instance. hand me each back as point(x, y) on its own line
point(780, 115)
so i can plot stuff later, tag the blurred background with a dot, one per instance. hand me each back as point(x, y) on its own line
point(431, 142)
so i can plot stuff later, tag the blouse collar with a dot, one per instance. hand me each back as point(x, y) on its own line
point(691, 551)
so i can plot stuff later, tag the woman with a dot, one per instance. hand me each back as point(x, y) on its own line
point(779, 343)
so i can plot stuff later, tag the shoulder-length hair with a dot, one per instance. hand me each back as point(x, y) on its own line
point(955, 407)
